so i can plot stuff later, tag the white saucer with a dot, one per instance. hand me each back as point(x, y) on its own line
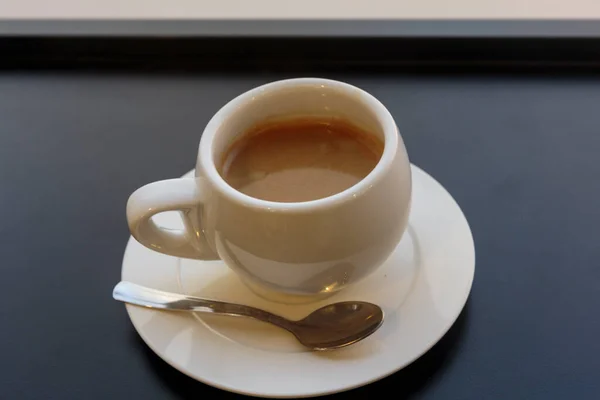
point(422, 288)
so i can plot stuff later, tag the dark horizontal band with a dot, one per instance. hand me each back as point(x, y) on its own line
point(306, 28)
point(299, 45)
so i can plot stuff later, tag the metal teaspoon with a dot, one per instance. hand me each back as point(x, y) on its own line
point(330, 327)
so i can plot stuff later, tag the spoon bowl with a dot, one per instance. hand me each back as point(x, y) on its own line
point(338, 325)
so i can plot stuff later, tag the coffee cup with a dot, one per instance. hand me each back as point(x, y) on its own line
point(302, 250)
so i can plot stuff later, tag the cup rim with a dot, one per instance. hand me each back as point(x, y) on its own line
point(383, 116)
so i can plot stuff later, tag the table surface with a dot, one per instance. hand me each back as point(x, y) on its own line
point(518, 153)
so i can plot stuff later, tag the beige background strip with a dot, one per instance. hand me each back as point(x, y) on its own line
point(301, 9)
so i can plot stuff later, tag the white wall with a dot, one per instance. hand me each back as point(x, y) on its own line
point(300, 9)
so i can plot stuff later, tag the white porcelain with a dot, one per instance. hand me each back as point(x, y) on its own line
point(422, 287)
point(298, 249)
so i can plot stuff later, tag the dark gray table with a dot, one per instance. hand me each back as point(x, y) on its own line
point(521, 155)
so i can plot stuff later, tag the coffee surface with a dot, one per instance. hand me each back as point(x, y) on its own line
point(300, 159)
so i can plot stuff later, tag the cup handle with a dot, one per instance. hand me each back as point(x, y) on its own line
point(184, 195)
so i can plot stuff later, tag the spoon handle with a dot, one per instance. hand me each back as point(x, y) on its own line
point(138, 295)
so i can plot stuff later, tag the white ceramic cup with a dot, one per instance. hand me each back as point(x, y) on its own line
point(302, 249)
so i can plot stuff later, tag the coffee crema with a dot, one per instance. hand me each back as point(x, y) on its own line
point(301, 159)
